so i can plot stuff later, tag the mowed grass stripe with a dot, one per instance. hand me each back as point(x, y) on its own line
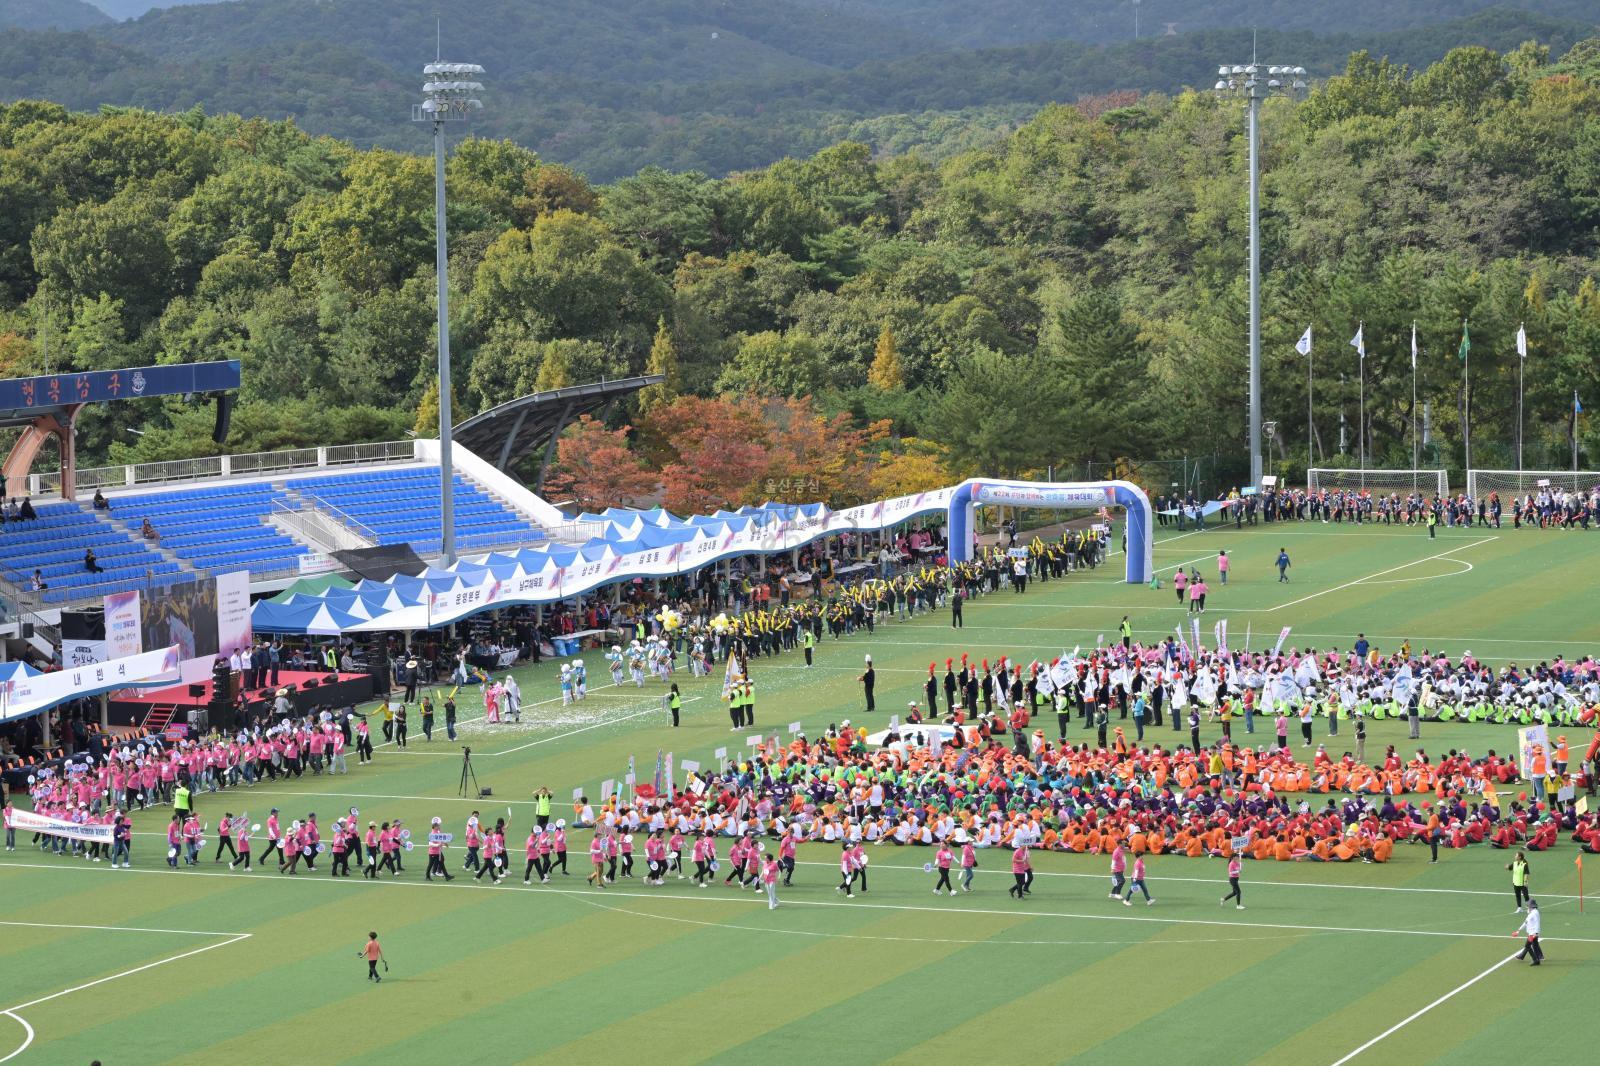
point(1101, 993)
point(1390, 995)
point(280, 955)
point(780, 987)
point(453, 966)
point(941, 996)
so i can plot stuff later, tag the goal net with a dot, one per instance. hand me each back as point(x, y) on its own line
point(1427, 481)
point(1522, 482)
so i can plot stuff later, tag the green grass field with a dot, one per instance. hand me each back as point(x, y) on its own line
point(153, 965)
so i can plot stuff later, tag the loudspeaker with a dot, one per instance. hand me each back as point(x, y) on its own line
point(485, 793)
point(309, 682)
point(224, 417)
point(331, 679)
point(197, 690)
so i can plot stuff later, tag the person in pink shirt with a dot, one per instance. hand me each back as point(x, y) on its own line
point(735, 861)
point(174, 840)
point(436, 848)
point(371, 841)
point(786, 856)
point(546, 846)
point(341, 851)
point(274, 839)
point(558, 845)
point(597, 859)
point(494, 846)
point(474, 838)
point(533, 856)
point(847, 869)
point(769, 879)
point(675, 854)
point(191, 841)
point(1119, 866)
point(705, 852)
point(655, 855)
point(941, 861)
point(858, 860)
point(627, 854)
point(1223, 563)
point(1137, 882)
point(1197, 596)
point(969, 865)
point(1235, 867)
point(244, 849)
point(1019, 870)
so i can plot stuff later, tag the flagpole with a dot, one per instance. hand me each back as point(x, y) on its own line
point(1414, 453)
point(1361, 414)
point(1311, 431)
point(1466, 393)
point(1522, 360)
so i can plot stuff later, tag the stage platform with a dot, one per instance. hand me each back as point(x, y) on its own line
point(307, 690)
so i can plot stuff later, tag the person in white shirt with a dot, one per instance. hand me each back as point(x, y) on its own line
point(1530, 925)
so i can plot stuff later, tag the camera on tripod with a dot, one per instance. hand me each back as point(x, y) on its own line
point(468, 773)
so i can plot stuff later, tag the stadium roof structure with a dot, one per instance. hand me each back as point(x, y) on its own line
point(516, 428)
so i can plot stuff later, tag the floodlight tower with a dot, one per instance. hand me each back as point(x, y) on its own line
point(447, 97)
point(1255, 83)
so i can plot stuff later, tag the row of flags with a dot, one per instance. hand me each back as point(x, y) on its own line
point(1359, 343)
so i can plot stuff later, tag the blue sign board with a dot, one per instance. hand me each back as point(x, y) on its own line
point(50, 391)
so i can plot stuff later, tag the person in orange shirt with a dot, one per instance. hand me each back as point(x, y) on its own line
point(372, 951)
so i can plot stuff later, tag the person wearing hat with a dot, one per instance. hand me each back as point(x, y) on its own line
point(1530, 926)
point(869, 679)
point(411, 675)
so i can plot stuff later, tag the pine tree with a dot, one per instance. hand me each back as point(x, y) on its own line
point(887, 372)
point(664, 361)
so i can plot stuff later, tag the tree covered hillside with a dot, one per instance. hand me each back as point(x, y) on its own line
point(1073, 292)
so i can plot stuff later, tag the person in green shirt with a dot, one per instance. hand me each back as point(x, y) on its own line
point(674, 703)
point(809, 642)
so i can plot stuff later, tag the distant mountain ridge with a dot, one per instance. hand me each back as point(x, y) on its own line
point(609, 86)
point(51, 15)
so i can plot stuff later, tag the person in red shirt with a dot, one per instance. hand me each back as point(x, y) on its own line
point(372, 951)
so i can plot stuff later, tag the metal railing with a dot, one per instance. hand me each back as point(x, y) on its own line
point(574, 533)
point(249, 464)
point(324, 525)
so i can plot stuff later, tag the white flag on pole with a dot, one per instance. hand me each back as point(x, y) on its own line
point(1413, 346)
point(1303, 345)
point(1357, 342)
point(1522, 341)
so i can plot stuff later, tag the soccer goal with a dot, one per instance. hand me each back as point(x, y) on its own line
point(1521, 482)
point(1430, 481)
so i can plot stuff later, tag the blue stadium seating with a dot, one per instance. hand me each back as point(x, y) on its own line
point(54, 544)
point(215, 528)
point(402, 507)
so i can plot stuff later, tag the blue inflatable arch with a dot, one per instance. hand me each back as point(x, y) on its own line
point(1089, 495)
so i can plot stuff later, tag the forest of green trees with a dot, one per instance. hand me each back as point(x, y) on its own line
point(1075, 292)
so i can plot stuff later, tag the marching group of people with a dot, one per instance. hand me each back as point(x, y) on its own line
point(1549, 507)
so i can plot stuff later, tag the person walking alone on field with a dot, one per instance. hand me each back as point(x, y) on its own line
point(1234, 892)
point(1283, 564)
point(1222, 566)
point(1530, 925)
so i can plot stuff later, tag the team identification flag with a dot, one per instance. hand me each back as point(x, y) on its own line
point(1358, 342)
point(1466, 341)
point(1413, 346)
point(1522, 341)
point(1303, 345)
point(1577, 408)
